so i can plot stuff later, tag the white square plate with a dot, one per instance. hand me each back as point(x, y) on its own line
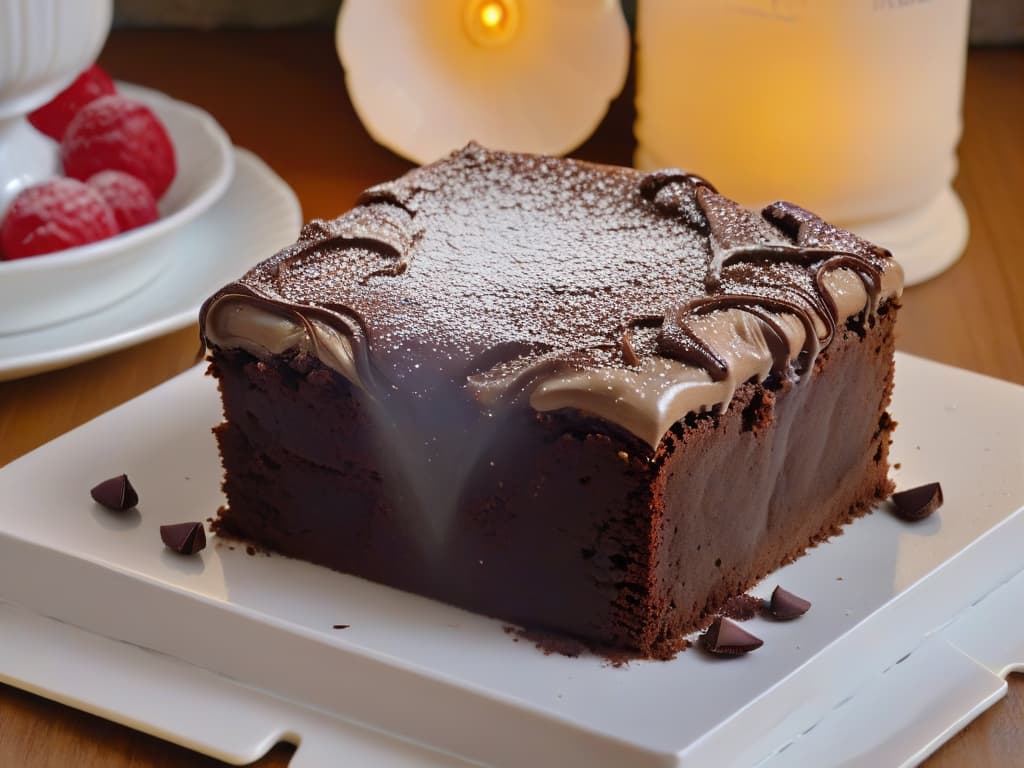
point(893, 657)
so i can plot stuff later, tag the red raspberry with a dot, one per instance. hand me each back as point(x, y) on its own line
point(130, 200)
point(53, 117)
point(52, 216)
point(115, 133)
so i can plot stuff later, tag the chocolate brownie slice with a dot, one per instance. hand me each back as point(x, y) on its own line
point(576, 397)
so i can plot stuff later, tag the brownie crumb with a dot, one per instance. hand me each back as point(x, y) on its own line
point(551, 643)
point(741, 607)
point(250, 550)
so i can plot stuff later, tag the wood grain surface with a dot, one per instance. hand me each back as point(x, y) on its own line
point(282, 95)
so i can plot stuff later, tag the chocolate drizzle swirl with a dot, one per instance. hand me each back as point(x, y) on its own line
point(736, 239)
point(672, 192)
point(679, 341)
point(384, 229)
point(629, 355)
point(489, 276)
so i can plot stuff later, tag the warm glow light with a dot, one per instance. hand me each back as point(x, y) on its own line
point(822, 136)
point(491, 23)
point(522, 75)
point(492, 14)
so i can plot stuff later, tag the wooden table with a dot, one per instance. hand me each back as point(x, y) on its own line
point(282, 95)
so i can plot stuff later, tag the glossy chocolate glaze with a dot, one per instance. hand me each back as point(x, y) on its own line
point(490, 278)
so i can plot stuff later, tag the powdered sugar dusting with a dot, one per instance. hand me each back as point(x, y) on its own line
point(506, 250)
point(489, 262)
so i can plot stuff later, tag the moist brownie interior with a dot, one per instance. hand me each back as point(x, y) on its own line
point(576, 397)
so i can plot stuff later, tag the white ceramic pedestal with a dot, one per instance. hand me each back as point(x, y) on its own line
point(44, 44)
point(26, 157)
point(926, 240)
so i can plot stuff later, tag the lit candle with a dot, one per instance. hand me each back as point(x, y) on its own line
point(491, 22)
point(851, 109)
point(525, 75)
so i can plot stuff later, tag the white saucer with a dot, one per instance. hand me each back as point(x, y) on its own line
point(258, 214)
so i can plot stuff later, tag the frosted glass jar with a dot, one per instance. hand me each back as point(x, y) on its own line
point(851, 108)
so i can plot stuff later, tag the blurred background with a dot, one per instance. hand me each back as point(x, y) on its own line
point(993, 22)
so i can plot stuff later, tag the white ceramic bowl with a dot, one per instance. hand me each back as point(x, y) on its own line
point(56, 287)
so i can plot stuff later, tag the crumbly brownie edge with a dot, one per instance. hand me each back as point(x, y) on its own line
point(607, 568)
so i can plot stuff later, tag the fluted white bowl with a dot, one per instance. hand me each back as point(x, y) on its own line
point(57, 287)
point(44, 45)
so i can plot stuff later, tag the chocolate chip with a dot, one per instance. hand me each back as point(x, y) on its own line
point(785, 605)
point(727, 638)
point(186, 538)
point(116, 493)
point(917, 503)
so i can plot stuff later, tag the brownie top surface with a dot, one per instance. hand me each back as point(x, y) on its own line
point(486, 265)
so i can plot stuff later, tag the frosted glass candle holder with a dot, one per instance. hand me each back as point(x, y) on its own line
point(850, 109)
point(425, 78)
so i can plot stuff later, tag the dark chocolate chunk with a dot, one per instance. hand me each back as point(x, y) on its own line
point(186, 538)
point(917, 503)
point(728, 638)
point(116, 493)
point(785, 605)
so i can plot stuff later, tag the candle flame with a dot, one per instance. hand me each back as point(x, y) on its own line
point(492, 15)
point(492, 22)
